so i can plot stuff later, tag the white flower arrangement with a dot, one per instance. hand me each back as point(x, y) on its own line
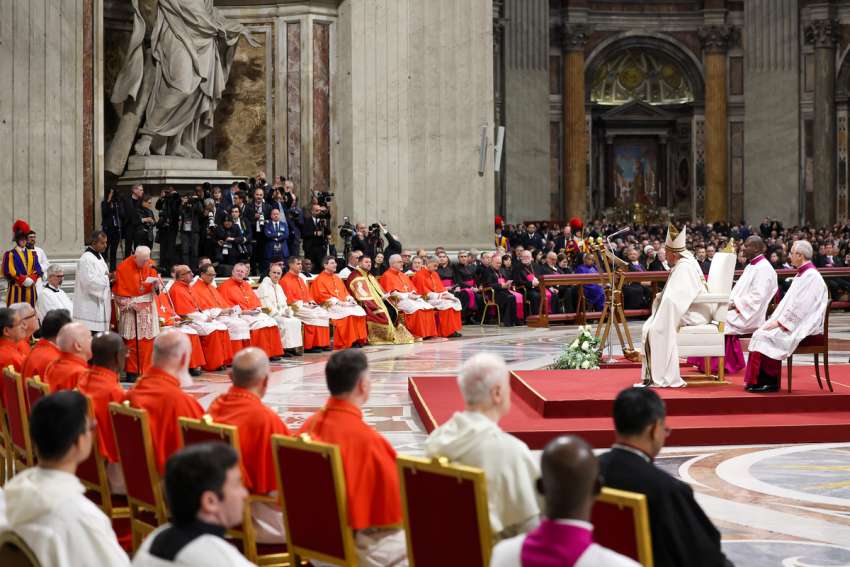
point(583, 353)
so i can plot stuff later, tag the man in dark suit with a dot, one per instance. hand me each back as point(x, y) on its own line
point(526, 282)
point(315, 236)
point(257, 214)
point(132, 218)
point(682, 534)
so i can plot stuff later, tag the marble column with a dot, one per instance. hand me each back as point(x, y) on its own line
point(575, 37)
point(715, 40)
point(823, 34)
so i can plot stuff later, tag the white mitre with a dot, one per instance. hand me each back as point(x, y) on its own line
point(675, 241)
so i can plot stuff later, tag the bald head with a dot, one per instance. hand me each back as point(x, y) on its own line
point(569, 478)
point(142, 255)
point(171, 351)
point(250, 368)
point(75, 338)
point(108, 350)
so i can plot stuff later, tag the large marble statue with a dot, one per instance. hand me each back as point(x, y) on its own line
point(176, 83)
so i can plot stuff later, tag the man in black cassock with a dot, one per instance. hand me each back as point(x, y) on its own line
point(682, 534)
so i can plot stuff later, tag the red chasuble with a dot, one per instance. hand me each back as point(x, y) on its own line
point(101, 386)
point(241, 294)
point(43, 353)
point(421, 323)
point(169, 318)
point(208, 297)
point(64, 373)
point(256, 423)
point(368, 460)
point(160, 395)
point(295, 289)
point(24, 346)
point(348, 330)
point(130, 282)
point(448, 320)
point(217, 350)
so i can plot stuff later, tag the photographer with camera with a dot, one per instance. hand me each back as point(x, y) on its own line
point(190, 223)
point(315, 235)
point(257, 213)
point(231, 247)
point(111, 214)
point(167, 226)
point(346, 232)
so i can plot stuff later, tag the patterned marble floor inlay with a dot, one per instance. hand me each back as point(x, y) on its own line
point(784, 506)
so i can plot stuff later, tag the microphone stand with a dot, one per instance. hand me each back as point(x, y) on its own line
point(613, 313)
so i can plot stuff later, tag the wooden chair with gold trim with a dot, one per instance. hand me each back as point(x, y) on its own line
point(312, 490)
point(5, 443)
point(816, 345)
point(445, 508)
point(135, 451)
point(35, 390)
point(17, 420)
point(204, 430)
point(488, 299)
point(622, 524)
point(14, 551)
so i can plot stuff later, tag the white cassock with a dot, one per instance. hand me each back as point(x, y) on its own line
point(474, 440)
point(92, 292)
point(751, 295)
point(443, 301)
point(207, 550)
point(408, 304)
point(49, 510)
point(50, 298)
point(801, 311)
point(672, 309)
point(342, 309)
point(44, 263)
point(508, 553)
point(272, 298)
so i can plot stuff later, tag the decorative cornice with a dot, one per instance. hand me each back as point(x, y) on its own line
point(716, 39)
point(822, 33)
point(575, 36)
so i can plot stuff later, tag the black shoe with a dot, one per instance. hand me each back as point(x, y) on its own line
point(131, 378)
point(287, 354)
point(357, 345)
point(765, 388)
point(314, 350)
point(326, 349)
point(455, 335)
point(276, 358)
point(195, 372)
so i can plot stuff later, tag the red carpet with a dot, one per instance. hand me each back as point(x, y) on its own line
point(546, 403)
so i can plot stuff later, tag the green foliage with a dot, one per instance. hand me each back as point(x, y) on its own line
point(582, 354)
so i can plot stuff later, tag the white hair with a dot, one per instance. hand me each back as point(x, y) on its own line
point(143, 250)
point(803, 247)
point(54, 269)
point(479, 375)
point(394, 258)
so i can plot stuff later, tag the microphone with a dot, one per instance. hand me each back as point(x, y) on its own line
point(619, 232)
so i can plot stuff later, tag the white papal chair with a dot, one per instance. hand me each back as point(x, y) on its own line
point(708, 340)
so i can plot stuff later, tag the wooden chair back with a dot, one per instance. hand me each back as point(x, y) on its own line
point(488, 298)
point(445, 508)
point(17, 418)
point(93, 476)
point(621, 520)
point(5, 442)
point(35, 390)
point(311, 487)
point(14, 551)
point(135, 452)
point(816, 345)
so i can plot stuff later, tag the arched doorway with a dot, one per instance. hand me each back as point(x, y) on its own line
point(645, 98)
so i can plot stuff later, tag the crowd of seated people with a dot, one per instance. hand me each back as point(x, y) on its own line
point(206, 485)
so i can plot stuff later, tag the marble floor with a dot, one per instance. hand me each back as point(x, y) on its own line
point(777, 505)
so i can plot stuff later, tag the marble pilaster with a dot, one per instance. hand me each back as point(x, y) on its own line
point(293, 102)
point(823, 34)
point(575, 36)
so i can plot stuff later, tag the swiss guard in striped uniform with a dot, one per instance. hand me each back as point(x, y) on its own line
point(21, 268)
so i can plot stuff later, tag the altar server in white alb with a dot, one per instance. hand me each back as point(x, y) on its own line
point(92, 286)
point(798, 315)
point(52, 296)
point(673, 308)
point(274, 302)
point(473, 437)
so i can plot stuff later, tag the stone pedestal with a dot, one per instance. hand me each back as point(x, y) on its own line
point(575, 137)
point(823, 34)
point(715, 40)
point(155, 172)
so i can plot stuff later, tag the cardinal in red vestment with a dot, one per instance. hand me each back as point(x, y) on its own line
point(315, 319)
point(448, 307)
point(168, 317)
point(237, 292)
point(349, 319)
point(418, 314)
point(136, 282)
point(45, 350)
point(213, 305)
point(74, 340)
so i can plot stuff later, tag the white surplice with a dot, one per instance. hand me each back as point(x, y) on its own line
point(207, 550)
point(314, 315)
point(50, 298)
point(473, 439)
point(49, 510)
point(92, 292)
point(672, 309)
point(444, 301)
point(408, 304)
point(751, 295)
point(342, 309)
point(272, 298)
point(801, 312)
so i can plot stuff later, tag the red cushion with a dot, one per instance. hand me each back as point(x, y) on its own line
point(307, 482)
point(812, 340)
point(614, 528)
point(134, 464)
point(87, 470)
point(193, 436)
point(33, 395)
point(442, 515)
point(13, 411)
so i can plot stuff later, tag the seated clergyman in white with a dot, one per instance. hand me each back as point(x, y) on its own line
point(52, 296)
point(472, 437)
point(672, 309)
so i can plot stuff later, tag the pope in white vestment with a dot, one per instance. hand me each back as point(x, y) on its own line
point(799, 315)
point(672, 309)
point(49, 510)
point(92, 288)
point(273, 299)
